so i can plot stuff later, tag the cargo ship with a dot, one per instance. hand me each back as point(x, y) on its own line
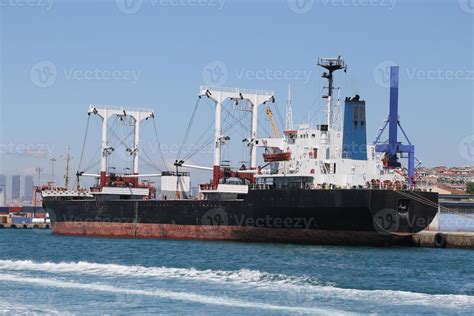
point(316, 184)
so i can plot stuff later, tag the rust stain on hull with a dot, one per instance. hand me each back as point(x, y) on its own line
point(228, 233)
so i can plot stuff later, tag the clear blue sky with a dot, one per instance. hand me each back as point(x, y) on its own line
point(162, 50)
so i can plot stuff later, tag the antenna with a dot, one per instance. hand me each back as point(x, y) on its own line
point(39, 170)
point(68, 159)
point(331, 65)
point(53, 160)
point(289, 111)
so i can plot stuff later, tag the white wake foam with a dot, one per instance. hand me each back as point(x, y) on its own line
point(243, 276)
point(8, 308)
point(165, 294)
point(256, 279)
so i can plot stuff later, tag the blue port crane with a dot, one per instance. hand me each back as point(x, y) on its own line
point(393, 147)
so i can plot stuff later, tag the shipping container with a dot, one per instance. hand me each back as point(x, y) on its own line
point(14, 209)
point(3, 219)
point(4, 209)
point(40, 215)
point(21, 220)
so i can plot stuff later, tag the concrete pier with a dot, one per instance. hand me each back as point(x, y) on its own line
point(26, 226)
point(435, 239)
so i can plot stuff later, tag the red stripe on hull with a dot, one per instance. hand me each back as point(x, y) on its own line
point(227, 233)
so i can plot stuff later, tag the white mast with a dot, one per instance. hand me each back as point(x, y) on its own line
point(218, 95)
point(331, 65)
point(105, 112)
point(289, 111)
point(68, 159)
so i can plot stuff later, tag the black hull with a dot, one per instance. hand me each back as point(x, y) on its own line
point(355, 216)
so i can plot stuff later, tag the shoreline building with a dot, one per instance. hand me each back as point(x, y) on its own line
point(15, 187)
point(3, 190)
point(3, 199)
point(28, 193)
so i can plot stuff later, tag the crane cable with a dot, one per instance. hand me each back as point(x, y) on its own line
point(430, 203)
point(165, 165)
point(83, 148)
point(188, 129)
point(204, 144)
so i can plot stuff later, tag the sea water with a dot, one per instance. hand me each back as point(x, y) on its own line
point(41, 273)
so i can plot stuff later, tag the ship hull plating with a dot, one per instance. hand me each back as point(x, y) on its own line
point(349, 217)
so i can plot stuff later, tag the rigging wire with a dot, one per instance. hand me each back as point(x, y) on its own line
point(207, 142)
point(165, 165)
point(83, 148)
point(188, 128)
point(280, 117)
point(151, 163)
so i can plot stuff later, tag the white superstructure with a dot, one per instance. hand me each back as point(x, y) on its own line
point(310, 157)
point(332, 154)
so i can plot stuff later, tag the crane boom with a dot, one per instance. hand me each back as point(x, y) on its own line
point(269, 113)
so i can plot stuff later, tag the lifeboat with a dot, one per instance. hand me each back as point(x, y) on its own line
point(275, 157)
